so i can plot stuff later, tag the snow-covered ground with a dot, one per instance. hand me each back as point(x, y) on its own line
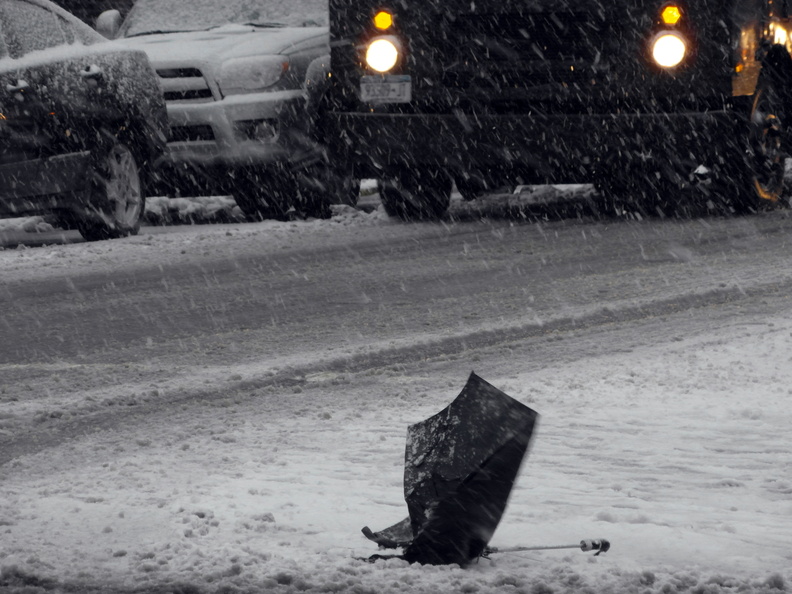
point(678, 451)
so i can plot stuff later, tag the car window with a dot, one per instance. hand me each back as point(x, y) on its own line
point(161, 16)
point(67, 30)
point(85, 35)
point(76, 31)
point(3, 52)
point(27, 28)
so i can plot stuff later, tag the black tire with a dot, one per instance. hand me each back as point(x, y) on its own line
point(647, 190)
point(118, 199)
point(335, 170)
point(279, 195)
point(336, 176)
point(264, 195)
point(417, 195)
point(750, 176)
point(325, 184)
point(470, 187)
point(348, 191)
point(621, 192)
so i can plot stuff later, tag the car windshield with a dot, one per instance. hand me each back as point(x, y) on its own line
point(161, 16)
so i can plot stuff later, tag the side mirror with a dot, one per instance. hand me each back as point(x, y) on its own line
point(109, 23)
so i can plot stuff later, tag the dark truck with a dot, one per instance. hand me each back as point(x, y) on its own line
point(656, 102)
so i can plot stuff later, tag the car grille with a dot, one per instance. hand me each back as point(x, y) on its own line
point(540, 36)
point(184, 85)
point(191, 133)
point(179, 73)
point(524, 50)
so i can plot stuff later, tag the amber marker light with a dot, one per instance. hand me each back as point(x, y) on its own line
point(383, 20)
point(780, 35)
point(671, 15)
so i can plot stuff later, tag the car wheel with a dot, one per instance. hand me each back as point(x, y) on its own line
point(649, 189)
point(621, 192)
point(264, 197)
point(751, 176)
point(320, 185)
point(278, 195)
point(417, 195)
point(348, 190)
point(117, 196)
point(470, 187)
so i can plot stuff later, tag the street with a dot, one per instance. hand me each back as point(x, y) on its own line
point(143, 337)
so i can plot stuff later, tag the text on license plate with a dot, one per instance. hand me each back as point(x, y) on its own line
point(386, 89)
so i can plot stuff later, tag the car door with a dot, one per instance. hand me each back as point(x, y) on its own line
point(36, 110)
point(23, 123)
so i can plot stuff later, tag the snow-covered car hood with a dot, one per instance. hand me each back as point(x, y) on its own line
point(233, 41)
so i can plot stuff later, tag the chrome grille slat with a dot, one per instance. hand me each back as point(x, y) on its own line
point(184, 85)
point(195, 133)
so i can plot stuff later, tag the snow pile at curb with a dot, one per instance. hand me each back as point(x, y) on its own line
point(161, 210)
point(26, 225)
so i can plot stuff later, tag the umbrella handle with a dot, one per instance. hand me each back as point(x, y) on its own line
point(598, 544)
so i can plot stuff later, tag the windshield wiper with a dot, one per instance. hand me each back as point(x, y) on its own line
point(258, 25)
point(163, 32)
point(266, 25)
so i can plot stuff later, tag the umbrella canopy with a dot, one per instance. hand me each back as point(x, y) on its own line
point(460, 466)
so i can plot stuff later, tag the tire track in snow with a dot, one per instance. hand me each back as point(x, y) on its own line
point(541, 335)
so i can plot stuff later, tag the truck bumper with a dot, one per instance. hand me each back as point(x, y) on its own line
point(535, 148)
point(242, 130)
point(212, 142)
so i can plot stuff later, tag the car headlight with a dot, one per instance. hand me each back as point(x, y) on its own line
point(382, 54)
point(249, 75)
point(669, 49)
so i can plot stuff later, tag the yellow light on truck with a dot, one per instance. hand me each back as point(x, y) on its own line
point(671, 15)
point(669, 49)
point(780, 35)
point(383, 20)
point(382, 54)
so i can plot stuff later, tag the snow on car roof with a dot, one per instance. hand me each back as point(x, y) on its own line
point(152, 16)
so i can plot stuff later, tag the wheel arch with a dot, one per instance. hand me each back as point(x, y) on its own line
point(317, 84)
point(778, 57)
point(777, 64)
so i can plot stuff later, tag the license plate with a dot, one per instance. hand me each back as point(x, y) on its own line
point(386, 89)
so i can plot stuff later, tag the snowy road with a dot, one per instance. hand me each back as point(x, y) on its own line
point(226, 405)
